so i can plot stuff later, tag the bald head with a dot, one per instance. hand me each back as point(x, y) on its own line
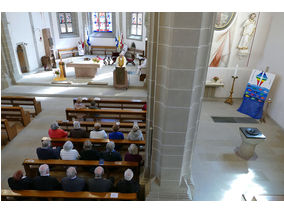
point(71, 172)
point(128, 175)
point(99, 172)
point(44, 170)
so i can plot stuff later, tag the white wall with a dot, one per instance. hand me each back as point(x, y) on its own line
point(273, 57)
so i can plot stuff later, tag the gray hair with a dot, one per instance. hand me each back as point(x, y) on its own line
point(128, 175)
point(133, 149)
point(68, 146)
point(71, 172)
point(115, 127)
point(110, 146)
point(79, 100)
point(99, 172)
point(97, 126)
point(46, 143)
point(135, 127)
point(87, 145)
point(54, 126)
point(43, 170)
point(76, 125)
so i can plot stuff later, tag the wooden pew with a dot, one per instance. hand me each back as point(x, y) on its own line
point(105, 49)
point(21, 101)
point(107, 126)
point(262, 197)
point(120, 104)
point(10, 130)
point(98, 114)
point(15, 114)
point(31, 165)
point(53, 195)
point(68, 51)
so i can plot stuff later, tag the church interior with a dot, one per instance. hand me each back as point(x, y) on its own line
point(204, 137)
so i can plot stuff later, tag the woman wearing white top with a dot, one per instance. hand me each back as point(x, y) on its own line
point(97, 133)
point(68, 153)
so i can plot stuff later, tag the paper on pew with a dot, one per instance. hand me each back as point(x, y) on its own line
point(97, 99)
point(114, 195)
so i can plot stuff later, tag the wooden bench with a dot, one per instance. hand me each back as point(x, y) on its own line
point(114, 115)
point(108, 103)
point(10, 130)
point(107, 126)
point(79, 142)
point(53, 195)
point(31, 165)
point(68, 51)
point(104, 49)
point(262, 197)
point(15, 114)
point(21, 101)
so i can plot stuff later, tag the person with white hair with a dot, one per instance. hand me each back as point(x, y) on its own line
point(98, 133)
point(110, 154)
point(56, 132)
point(47, 152)
point(45, 181)
point(79, 105)
point(132, 154)
point(88, 153)
point(99, 184)
point(135, 134)
point(128, 185)
point(72, 183)
point(68, 153)
point(77, 131)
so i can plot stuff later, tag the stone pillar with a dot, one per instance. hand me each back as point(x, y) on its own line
point(179, 45)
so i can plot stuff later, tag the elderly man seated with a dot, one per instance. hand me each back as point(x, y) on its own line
point(45, 181)
point(72, 183)
point(47, 152)
point(68, 153)
point(110, 154)
point(78, 132)
point(128, 185)
point(135, 134)
point(98, 133)
point(100, 184)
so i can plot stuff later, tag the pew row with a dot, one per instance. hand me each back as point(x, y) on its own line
point(54, 195)
point(16, 114)
point(107, 126)
point(114, 115)
point(68, 51)
point(104, 49)
point(108, 103)
point(22, 101)
point(31, 165)
point(10, 130)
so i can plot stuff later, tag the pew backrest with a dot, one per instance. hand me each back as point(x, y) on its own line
point(16, 114)
point(10, 130)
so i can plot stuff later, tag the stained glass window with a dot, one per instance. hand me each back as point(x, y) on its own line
point(136, 24)
point(65, 21)
point(102, 22)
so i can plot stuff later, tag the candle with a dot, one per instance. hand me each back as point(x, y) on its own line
point(236, 70)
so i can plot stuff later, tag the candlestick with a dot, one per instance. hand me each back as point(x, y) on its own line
point(229, 100)
point(236, 70)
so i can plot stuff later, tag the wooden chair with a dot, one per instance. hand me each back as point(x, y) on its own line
point(21, 101)
point(7, 194)
point(15, 114)
point(10, 130)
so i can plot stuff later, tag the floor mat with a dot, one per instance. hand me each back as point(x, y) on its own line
point(217, 119)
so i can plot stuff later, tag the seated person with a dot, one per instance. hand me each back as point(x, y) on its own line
point(144, 107)
point(45, 181)
point(135, 134)
point(79, 105)
point(132, 154)
point(47, 152)
point(20, 182)
point(140, 67)
point(93, 104)
point(120, 61)
point(110, 154)
point(78, 132)
point(128, 185)
point(116, 135)
point(88, 153)
point(68, 153)
point(72, 183)
point(56, 132)
point(99, 184)
point(97, 133)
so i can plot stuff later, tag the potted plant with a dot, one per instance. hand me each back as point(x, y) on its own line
point(215, 78)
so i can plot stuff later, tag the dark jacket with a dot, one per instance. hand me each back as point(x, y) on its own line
point(89, 155)
point(134, 158)
point(25, 183)
point(111, 156)
point(46, 183)
point(78, 133)
point(125, 186)
point(73, 185)
point(48, 153)
point(99, 185)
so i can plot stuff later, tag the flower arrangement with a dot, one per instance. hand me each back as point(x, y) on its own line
point(215, 78)
point(56, 72)
point(96, 60)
